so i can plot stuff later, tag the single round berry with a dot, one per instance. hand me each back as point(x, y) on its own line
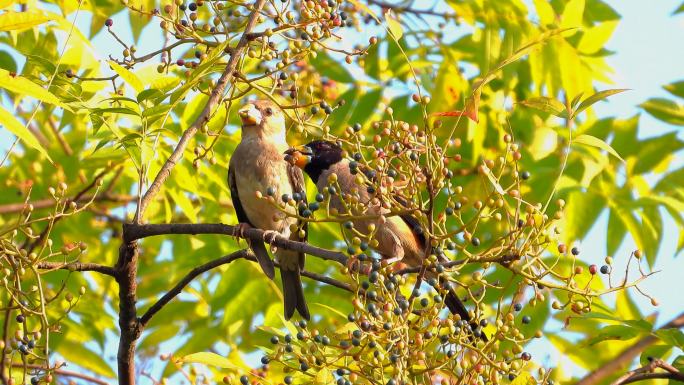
point(525, 175)
point(20, 318)
point(593, 269)
point(475, 241)
point(320, 197)
point(244, 380)
point(357, 127)
point(275, 340)
point(517, 307)
point(575, 250)
point(192, 7)
point(180, 62)
point(526, 356)
point(109, 23)
point(526, 319)
point(69, 73)
point(287, 380)
point(605, 269)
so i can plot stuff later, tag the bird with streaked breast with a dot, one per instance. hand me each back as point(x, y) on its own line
point(399, 237)
point(257, 166)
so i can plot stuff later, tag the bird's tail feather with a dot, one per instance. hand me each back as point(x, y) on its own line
point(263, 258)
point(455, 306)
point(294, 294)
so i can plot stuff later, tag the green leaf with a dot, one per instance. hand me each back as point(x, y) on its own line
point(128, 76)
point(22, 86)
point(676, 88)
point(8, 121)
point(588, 102)
point(18, 21)
point(665, 110)
point(7, 62)
point(545, 104)
point(209, 359)
point(614, 332)
point(679, 9)
point(674, 337)
point(393, 25)
point(593, 141)
point(85, 358)
point(330, 68)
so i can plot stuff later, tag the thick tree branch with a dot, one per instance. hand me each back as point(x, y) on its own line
point(203, 118)
point(627, 356)
point(126, 277)
point(78, 266)
point(133, 232)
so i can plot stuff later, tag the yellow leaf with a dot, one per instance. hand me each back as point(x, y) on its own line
point(22, 86)
point(128, 76)
point(324, 377)
point(596, 37)
point(393, 25)
point(184, 203)
point(593, 141)
point(6, 3)
point(8, 121)
point(210, 359)
point(524, 378)
point(18, 21)
point(572, 14)
point(546, 14)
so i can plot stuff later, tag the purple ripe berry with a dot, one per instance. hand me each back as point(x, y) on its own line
point(109, 23)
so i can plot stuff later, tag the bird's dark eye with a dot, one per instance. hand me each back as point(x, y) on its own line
point(269, 111)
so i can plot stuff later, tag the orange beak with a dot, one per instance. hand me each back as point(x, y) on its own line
point(299, 156)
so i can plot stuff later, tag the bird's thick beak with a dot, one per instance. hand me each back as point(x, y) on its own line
point(250, 115)
point(299, 156)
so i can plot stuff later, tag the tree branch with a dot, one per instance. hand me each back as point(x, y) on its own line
point(78, 266)
point(627, 356)
point(647, 372)
point(50, 202)
point(154, 309)
point(66, 373)
point(240, 254)
point(203, 118)
point(133, 232)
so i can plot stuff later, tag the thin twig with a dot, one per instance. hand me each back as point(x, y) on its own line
point(647, 372)
point(78, 266)
point(66, 373)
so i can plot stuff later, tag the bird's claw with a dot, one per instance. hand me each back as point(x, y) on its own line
point(270, 237)
point(239, 230)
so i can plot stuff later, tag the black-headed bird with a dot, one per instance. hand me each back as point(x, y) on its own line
point(258, 171)
point(399, 237)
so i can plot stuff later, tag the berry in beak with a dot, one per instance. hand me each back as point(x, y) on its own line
point(250, 115)
point(299, 156)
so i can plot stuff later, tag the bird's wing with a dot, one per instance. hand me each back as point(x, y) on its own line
point(258, 248)
point(296, 178)
point(411, 222)
point(241, 215)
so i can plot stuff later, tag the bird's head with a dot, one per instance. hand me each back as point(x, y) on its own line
point(262, 117)
point(315, 157)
